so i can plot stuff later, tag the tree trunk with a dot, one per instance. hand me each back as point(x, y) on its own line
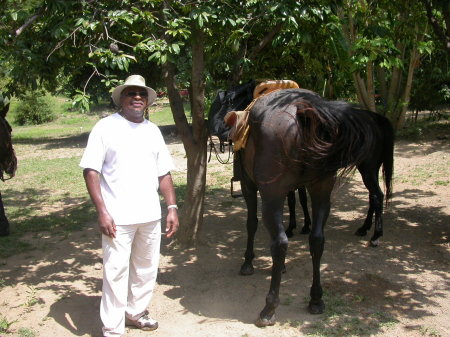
point(370, 88)
point(194, 139)
point(400, 120)
point(361, 90)
point(381, 76)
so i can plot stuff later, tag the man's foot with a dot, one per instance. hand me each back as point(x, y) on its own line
point(144, 322)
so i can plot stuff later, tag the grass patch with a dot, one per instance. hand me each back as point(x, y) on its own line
point(161, 114)
point(5, 324)
point(26, 332)
point(425, 128)
point(341, 318)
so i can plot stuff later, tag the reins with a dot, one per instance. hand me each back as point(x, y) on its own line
point(222, 146)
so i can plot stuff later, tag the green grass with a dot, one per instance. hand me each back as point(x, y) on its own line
point(26, 332)
point(162, 114)
point(341, 318)
point(5, 324)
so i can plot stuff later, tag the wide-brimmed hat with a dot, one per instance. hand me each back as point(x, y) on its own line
point(133, 81)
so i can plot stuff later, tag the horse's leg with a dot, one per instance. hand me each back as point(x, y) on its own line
point(292, 220)
point(304, 202)
point(249, 190)
point(370, 178)
point(272, 213)
point(4, 223)
point(320, 202)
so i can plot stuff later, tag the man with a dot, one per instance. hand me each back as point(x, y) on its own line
point(125, 163)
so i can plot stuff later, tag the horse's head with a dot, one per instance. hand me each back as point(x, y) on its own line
point(236, 98)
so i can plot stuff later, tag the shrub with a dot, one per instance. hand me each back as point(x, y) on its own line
point(33, 109)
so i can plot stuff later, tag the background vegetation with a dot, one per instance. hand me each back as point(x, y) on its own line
point(384, 55)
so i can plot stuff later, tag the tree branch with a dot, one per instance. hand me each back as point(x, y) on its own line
point(27, 23)
point(265, 41)
point(444, 36)
point(60, 43)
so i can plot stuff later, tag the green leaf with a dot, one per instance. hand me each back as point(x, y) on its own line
point(176, 48)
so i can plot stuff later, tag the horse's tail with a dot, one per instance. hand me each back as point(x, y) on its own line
point(388, 157)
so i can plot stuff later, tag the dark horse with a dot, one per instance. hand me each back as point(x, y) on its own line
point(8, 163)
point(299, 139)
point(238, 98)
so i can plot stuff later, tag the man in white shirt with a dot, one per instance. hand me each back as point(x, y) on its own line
point(125, 163)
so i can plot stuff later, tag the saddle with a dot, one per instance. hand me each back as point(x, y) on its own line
point(238, 120)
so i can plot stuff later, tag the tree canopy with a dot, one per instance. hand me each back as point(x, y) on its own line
point(362, 50)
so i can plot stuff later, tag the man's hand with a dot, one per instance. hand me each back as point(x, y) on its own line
point(172, 224)
point(105, 221)
point(106, 224)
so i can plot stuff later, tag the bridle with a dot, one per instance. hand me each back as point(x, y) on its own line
point(222, 149)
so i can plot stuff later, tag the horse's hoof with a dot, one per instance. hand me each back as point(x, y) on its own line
point(374, 243)
point(263, 322)
point(361, 232)
point(247, 269)
point(289, 233)
point(305, 230)
point(316, 308)
point(283, 270)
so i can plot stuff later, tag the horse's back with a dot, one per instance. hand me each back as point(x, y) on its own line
point(300, 133)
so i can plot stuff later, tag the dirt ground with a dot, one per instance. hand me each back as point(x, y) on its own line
point(56, 291)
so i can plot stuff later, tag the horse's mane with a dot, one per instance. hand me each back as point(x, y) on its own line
point(333, 135)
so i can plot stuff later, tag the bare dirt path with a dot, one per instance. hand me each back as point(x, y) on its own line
point(56, 291)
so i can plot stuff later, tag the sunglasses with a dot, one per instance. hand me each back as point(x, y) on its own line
point(137, 93)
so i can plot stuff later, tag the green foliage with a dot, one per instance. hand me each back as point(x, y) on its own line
point(431, 87)
point(34, 109)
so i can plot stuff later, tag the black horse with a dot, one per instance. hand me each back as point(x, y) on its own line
point(238, 98)
point(299, 139)
point(8, 163)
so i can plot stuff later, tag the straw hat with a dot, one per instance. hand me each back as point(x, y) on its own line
point(133, 81)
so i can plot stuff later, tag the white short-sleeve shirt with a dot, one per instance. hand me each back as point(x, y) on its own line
point(129, 157)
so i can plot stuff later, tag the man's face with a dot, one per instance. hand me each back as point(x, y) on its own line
point(133, 101)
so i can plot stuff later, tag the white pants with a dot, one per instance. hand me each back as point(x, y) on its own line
point(130, 266)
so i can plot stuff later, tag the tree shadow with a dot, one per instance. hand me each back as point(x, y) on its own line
point(413, 243)
point(77, 313)
point(205, 279)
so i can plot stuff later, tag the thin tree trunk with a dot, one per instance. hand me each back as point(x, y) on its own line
point(407, 90)
point(381, 76)
point(370, 88)
point(361, 90)
point(194, 139)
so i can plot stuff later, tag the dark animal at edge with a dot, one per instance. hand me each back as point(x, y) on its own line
point(8, 163)
point(309, 142)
